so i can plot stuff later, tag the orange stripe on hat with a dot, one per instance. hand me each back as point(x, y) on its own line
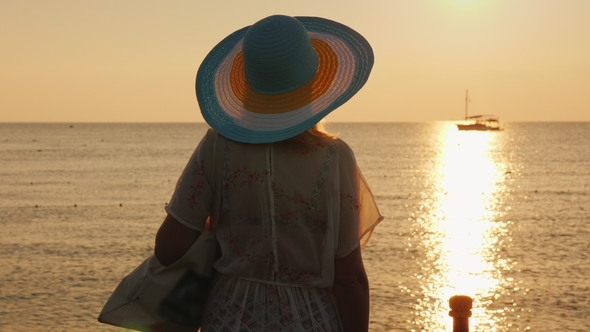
point(289, 101)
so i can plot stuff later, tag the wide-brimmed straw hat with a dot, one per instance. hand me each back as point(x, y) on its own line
point(279, 77)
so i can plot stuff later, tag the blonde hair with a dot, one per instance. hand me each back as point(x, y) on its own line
point(315, 134)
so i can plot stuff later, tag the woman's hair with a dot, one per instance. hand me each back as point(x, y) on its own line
point(314, 135)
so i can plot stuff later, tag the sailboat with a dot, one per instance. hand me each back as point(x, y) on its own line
point(478, 122)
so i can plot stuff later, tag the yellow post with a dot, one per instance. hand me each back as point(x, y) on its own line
point(460, 311)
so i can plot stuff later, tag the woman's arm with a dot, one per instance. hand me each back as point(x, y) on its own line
point(173, 240)
point(351, 290)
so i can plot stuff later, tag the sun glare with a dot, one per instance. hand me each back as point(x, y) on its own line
point(464, 4)
point(460, 229)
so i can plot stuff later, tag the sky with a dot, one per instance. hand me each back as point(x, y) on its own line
point(136, 60)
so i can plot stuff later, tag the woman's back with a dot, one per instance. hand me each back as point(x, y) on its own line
point(281, 212)
point(275, 218)
point(287, 212)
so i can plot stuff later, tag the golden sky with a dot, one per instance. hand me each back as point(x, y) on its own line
point(136, 60)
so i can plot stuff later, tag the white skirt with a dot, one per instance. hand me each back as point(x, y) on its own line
point(241, 305)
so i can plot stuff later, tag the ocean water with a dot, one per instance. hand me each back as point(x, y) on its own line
point(503, 217)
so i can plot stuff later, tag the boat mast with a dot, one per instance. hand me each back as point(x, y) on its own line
point(466, 102)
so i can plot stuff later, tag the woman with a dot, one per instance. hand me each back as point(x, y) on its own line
point(295, 208)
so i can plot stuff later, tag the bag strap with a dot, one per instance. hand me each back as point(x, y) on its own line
point(219, 143)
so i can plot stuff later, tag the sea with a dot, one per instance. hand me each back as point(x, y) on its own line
point(502, 217)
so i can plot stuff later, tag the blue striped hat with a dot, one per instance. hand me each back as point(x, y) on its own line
point(279, 77)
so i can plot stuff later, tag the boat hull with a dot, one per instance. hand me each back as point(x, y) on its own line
point(477, 126)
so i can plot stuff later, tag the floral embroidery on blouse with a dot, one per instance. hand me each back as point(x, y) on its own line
point(299, 274)
point(199, 184)
point(352, 201)
point(308, 214)
point(325, 168)
point(242, 177)
point(248, 253)
point(303, 150)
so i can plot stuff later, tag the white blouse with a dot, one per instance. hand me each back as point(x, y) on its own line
point(287, 212)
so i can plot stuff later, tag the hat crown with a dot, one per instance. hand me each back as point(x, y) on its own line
point(278, 55)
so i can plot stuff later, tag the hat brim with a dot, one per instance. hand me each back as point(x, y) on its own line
point(226, 109)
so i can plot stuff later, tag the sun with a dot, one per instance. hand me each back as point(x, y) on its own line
point(465, 4)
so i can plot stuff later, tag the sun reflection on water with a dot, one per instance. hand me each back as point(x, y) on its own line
point(460, 231)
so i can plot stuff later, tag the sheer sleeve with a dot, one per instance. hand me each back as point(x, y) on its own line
point(193, 196)
point(358, 211)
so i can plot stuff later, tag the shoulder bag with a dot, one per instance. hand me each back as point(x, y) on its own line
point(154, 297)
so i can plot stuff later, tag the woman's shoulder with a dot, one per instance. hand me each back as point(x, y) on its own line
point(334, 145)
point(342, 146)
point(316, 145)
